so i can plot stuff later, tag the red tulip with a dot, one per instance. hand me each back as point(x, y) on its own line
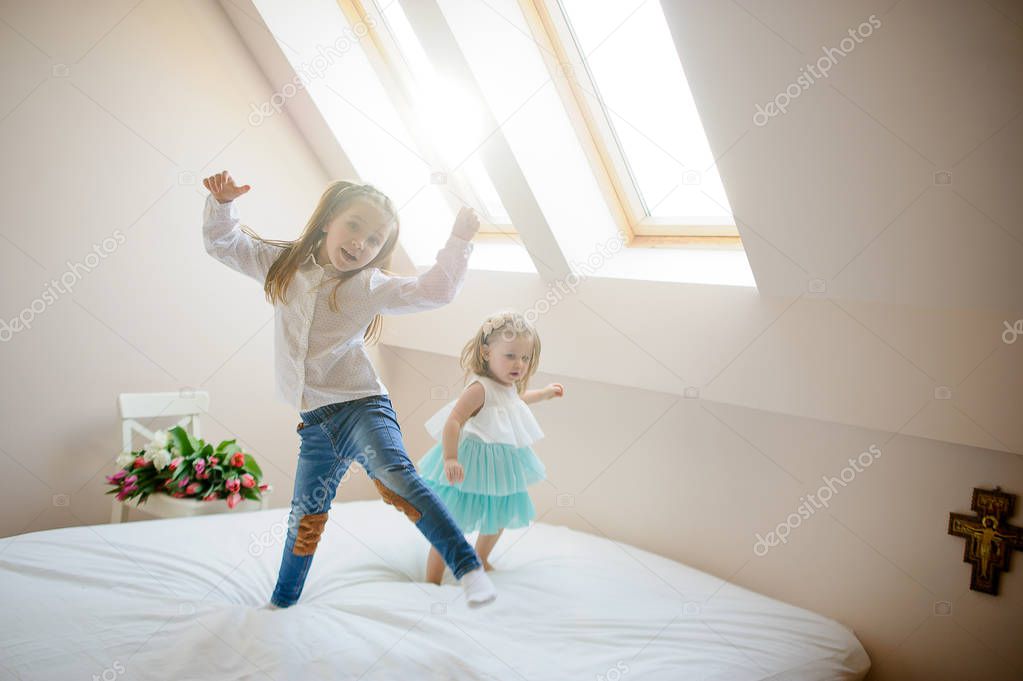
point(248, 480)
point(139, 462)
point(193, 488)
point(214, 461)
point(237, 459)
point(175, 463)
point(210, 497)
point(232, 484)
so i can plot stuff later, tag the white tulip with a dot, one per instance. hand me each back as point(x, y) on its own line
point(161, 439)
point(161, 459)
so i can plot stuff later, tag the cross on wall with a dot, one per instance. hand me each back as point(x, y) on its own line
point(990, 539)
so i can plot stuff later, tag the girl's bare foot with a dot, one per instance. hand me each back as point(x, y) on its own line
point(487, 567)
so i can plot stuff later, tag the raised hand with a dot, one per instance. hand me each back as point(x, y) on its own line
point(467, 223)
point(223, 187)
point(555, 390)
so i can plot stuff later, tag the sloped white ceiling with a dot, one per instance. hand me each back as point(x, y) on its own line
point(896, 177)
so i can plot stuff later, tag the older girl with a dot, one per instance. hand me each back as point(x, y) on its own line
point(329, 288)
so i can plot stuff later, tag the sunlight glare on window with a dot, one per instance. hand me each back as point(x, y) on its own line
point(452, 118)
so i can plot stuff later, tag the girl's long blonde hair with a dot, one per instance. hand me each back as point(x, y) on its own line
point(504, 325)
point(335, 199)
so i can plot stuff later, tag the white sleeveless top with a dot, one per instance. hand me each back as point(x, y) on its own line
point(503, 418)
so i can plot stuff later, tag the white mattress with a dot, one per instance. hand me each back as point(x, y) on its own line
point(181, 599)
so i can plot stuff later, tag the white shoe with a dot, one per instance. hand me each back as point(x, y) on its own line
point(479, 590)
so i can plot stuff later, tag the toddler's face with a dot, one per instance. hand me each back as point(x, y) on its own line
point(355, 236)
point(508, 358)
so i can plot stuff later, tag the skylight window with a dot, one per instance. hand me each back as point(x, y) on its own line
point(626, 77)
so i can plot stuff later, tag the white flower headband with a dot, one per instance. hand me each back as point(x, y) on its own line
point(500, 321)
point(492, 324)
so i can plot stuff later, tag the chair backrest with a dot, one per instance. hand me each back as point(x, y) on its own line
point(185, 403)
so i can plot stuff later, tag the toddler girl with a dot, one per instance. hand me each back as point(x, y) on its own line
point(322, 368)
point(482, 462)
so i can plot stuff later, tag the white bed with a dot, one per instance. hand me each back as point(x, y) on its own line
point(182, 599)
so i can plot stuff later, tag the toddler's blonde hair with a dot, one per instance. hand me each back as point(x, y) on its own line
point(503, 325)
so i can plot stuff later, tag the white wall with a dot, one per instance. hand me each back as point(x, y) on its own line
point(842, 186)
point(151, 92)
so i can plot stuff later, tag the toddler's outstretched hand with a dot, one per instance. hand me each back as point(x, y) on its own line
point(223, 187)
point(555, 390)
point(454, 471)
point(467, 223)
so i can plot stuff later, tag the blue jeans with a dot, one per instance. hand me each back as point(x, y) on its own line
point(364, 430)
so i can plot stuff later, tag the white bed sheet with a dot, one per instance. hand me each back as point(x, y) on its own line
point(182, 599)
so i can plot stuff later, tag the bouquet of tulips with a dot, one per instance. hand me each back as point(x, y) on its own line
point(176, 463)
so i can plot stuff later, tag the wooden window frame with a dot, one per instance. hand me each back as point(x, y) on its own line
point(569, 72)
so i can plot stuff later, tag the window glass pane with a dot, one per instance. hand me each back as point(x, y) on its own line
point(632, 59)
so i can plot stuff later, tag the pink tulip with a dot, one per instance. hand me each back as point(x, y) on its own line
point(199, 465)
point(130, 479)
point(264, 487)
point(248, 480)
point(233, 499)
point(178, 495)
point(184, 481)
point(193, 488)
point(232, 485)
point(119, 474)
point(214, 461)
point(130, 489)
point(175, 463)
point(210, 497)
point(237, 459)
point(122, 495)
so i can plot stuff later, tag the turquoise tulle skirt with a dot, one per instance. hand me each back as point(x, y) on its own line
point(493, 494)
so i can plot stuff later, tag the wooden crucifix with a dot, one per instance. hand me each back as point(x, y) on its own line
point(990, 539)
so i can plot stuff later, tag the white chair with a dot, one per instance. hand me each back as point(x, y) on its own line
point(188, 405)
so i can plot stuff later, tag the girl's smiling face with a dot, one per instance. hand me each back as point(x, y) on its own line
point(508, 358)
point(355, 236)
